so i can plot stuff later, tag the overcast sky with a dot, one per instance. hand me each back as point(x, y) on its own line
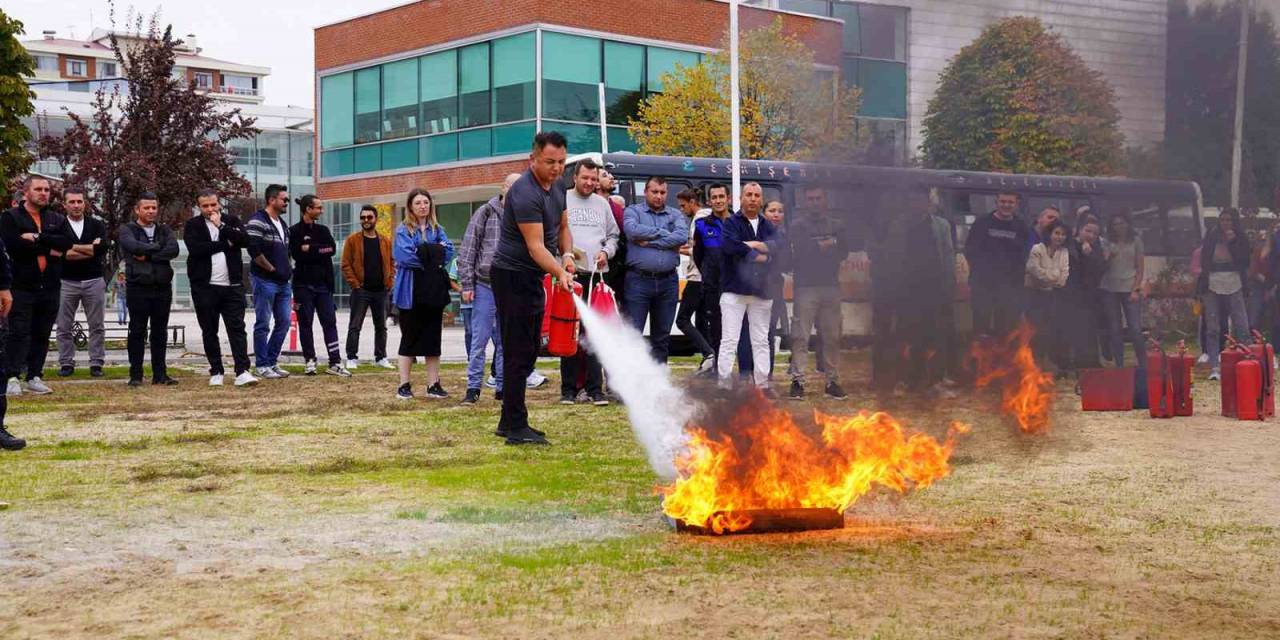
point(271, 34)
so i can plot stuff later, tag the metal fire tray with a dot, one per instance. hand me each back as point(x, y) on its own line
point(773, 521)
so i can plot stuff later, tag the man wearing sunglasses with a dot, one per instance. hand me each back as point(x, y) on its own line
point(368, 268)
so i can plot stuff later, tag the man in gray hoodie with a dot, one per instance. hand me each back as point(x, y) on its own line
point(595, 240)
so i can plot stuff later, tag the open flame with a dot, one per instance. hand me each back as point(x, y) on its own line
point(762, 459)
point(1026, 390)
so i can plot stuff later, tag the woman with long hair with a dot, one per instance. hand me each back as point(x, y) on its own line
point(1122, 288)
point(1224, 265)
point(1048, 267)
point(420, 291)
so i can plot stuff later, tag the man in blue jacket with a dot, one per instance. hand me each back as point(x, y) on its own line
point(655, 232)
point(749, 248)
point(270, 273)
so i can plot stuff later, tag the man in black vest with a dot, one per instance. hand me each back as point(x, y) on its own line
point(148, 249)
point(32, 233)
point(216, 270)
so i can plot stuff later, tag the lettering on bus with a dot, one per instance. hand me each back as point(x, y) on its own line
point(1040, 183)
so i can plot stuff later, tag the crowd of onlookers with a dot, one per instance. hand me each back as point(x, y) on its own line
point(715, 273)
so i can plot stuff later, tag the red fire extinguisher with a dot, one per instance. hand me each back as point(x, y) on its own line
point(563, 313)
point(1249, 403)
point(546, 305)
point(601, 298)
point(1159, 382)
point(1230, 357)
point(1181, 369)
point(1265, 354)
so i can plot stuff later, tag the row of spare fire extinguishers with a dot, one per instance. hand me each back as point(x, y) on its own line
point(560, 321)
point(1247, 380)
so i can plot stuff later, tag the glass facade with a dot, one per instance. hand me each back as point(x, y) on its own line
point(481, 101)
point(874, 58)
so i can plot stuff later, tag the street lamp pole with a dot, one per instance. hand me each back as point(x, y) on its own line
point(735, 116)
point(1242, 59)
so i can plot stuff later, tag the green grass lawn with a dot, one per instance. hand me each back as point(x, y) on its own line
point(324, 508)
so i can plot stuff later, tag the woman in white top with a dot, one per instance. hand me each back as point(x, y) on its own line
point(1047, 269)
point(1224, 263)
point(1122, 289)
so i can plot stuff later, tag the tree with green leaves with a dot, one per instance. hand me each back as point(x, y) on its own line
point(790, 110)
point(1019, 100)
point(15, 100)
point(1201, 96)
point(158, 134)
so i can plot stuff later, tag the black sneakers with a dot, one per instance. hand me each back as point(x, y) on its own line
point(833, 390)
point(95, 371)
point(598, 399)
point(437, 392)
point(165, 381)
point(66, 370)
point(135, 382)
point(568, 398)
point(497, 395)
point(9, 443)
point(472, 397)
point(797, 390)
point(526, 436)
point(405, 392)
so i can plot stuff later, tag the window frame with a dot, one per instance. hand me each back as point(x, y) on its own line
point(82, 63)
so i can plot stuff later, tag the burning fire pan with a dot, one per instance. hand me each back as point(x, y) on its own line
point(767, 521)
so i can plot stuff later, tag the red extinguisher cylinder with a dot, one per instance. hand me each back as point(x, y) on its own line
point(563, 332)
point(1248, 379)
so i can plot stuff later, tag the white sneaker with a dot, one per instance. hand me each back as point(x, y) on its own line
point(215, 380)
point(535, 380)
point(37, 386)
point(280, 372)
point(268, 373)
point(384, 363)
point(310, 368)
point(14, 388)
point(246, 379)
point(1203, 359)
point(353, 364)
point(1214, 375)
point(491, 382)
point(338, 370)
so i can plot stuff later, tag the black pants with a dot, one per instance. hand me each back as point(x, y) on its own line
point(376, 302)
point(214, 302)
point(30, 324)
point(691, 302)
point(4, 374)
point(519, 298)
point(570, 366)
point(148, 305)
point(711, 310)
point(311, 303)
point(912, 340)
point(997, 308)
point(1047, 314)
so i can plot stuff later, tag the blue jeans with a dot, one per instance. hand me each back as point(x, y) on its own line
point(271, 301)
point(1117, 304)
point(655, 300)
point(482, 328)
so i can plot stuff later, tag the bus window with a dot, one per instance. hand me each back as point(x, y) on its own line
point(1067, 207)
point(673, 188)
point(1182, 234)
point(1149, 221)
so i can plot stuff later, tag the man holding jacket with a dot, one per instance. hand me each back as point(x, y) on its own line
point(33, 235)
point(148, 249)
point(368, 269)
point(216, 271)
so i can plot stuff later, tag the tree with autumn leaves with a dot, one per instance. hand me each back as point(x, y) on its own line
point(158, 135)
point(1019, 100)
point(790, 110)
point(15, 100)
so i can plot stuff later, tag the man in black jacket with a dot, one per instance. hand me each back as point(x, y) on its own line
point(148, 249)
point(214, 266)
point(996, 251)
point(312, 246)
point(34, 238)
point(83, 283)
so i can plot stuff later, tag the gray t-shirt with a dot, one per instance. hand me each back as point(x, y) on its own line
point(527, 202)
point(1122, 268)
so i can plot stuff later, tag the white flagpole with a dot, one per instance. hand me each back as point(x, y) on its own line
point(735, 116)
point(604, 129)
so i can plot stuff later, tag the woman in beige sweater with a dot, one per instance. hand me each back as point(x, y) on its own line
point(1047, 269)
